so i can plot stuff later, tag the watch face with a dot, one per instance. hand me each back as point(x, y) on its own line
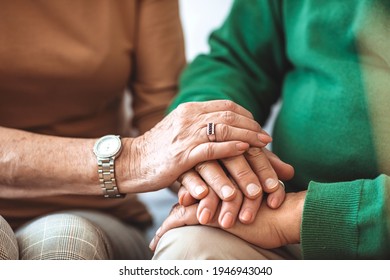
point(107, 146)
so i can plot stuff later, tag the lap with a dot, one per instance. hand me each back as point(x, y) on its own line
point(80, 235)
point(208, 243)
point(8, 244)
point(127, 241)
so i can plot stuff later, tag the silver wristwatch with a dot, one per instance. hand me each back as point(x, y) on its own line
point(106, 150)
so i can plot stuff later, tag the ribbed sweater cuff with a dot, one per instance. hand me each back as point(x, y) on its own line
point(329, 223)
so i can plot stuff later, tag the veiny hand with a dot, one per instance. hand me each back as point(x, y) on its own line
point(272, 229)
point(256, 172)
point(179, 142)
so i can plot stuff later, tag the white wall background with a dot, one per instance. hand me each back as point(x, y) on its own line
point(199, 18)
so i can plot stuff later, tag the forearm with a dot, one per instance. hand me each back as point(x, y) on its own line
point(36, 165)
point(40, 165)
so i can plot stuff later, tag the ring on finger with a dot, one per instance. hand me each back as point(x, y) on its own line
point(210, 131)
point(282, 184)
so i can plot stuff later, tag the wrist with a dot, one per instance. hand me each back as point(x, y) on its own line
point(292, 226)
point(129, 166)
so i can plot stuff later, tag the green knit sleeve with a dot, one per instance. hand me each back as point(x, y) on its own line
point(246, 62)
point(347, 220)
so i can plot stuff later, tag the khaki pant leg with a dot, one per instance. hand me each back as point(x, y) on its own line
point(207, 243)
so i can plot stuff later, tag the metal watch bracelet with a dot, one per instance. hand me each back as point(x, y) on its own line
point(107, 178)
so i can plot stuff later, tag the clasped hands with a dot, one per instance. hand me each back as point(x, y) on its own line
point(258, 221)
point(236, 186)
point(226, 188)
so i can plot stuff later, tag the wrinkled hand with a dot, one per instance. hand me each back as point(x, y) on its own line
point(256, 172)
point(179, 142)
point(272, 229)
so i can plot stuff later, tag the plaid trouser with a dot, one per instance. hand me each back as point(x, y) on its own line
point(73, 235)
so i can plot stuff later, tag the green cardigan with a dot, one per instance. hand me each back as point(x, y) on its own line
point(329, 63)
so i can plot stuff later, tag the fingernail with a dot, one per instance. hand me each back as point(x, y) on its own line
point(180, 200)
point(158, 231)
point(227, 220)
point(253, 189)
point(199, 190)
point(265, 138)
point(151, 244)
point(246, 216)
point(242, 146)
point(227, 191)
point(271, 183)
point(274, 203)
point(204, 216)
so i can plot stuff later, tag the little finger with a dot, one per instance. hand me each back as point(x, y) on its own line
point(276, 198)
point(284, 170)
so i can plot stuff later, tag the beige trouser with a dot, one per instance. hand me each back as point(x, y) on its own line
point(73, 235)
point(207, 243)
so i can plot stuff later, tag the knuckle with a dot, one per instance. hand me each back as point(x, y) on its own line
point(244, 174)
point(178, 211)
point(231, 161)
point(229, 117)
point(173, 208)
point(230, 105)
point(200, 167)
point(187, 180)
point(254, 152)
point(248, 134)
point(262, 168)
point(183, 108)
point(215, 180)
point(212, 178)
point(209, 151)
point(224, 132)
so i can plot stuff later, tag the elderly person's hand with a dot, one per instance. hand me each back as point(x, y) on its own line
point(272, 229)
point(180, 142)
point(256, 172)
